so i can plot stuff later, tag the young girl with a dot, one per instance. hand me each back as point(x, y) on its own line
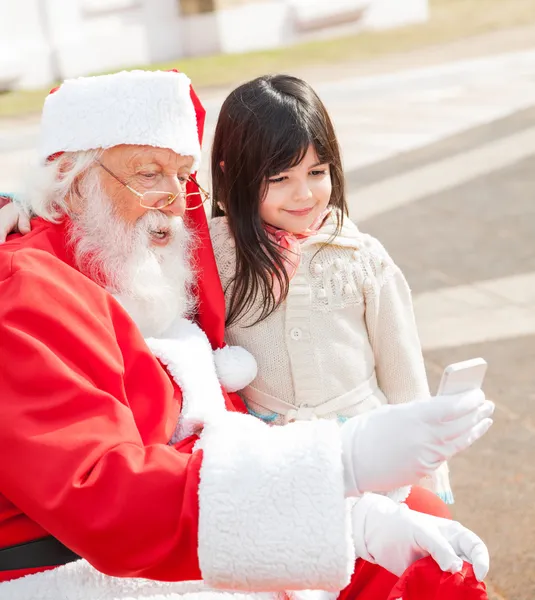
point(321, 306)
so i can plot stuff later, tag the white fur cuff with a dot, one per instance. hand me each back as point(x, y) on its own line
point(272, 507)
point(235, 366)
point(187, 354)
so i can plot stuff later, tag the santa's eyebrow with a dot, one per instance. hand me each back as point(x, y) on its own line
point(145, 165)
point(143, 162)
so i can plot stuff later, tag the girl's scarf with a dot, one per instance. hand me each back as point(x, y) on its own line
point(290, 245)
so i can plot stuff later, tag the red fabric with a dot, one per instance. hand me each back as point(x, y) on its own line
point(85, 415)
point(369, 582)
point(211, 313)
point(423, 580)
point(427, 502)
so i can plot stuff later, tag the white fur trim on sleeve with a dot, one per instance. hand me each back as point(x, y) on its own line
point(272, 511)
point(235, 366)
point(187, 354)
point(147, 108)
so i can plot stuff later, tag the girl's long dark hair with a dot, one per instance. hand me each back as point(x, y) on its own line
point(266, 126)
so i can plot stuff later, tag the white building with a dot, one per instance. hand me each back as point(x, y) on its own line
point(42, 41)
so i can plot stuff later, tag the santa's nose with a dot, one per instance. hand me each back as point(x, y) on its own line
point(176, 208)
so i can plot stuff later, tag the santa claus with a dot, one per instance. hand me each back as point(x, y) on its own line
point(129, 469)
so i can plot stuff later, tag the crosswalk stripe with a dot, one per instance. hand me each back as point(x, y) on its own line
point(484, 311)
point(440, 176)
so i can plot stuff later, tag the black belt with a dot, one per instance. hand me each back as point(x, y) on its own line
point(45, 552)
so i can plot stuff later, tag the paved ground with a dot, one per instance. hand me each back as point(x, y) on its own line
point(441, 167)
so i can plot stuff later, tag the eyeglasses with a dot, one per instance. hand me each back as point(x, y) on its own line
point(155, 200)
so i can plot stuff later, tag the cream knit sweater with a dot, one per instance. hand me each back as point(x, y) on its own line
point(343, 342)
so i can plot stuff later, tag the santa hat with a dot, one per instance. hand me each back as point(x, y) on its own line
point(209, 292)
point(148, 108)
point(235, 367)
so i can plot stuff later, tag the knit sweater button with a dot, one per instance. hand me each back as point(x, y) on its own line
point(317, 269)
point(322, 294)
point(296, 334)
point(347, 289)
point(338, 263)
point(356, 254)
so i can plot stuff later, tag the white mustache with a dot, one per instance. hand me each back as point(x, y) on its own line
point(154, 220)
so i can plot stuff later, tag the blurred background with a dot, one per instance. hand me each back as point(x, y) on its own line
point(434, 104)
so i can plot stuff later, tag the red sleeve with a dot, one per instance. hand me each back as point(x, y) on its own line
point(79, 452)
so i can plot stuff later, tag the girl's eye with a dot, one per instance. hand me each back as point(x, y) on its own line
point(318, 172)
point(277, 179)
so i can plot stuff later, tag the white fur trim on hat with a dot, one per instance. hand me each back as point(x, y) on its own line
point(235, 366)
point(272, 511)
point(146, 108)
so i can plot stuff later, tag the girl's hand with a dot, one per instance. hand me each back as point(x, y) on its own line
point(13, 219)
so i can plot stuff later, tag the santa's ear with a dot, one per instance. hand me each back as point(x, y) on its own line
point(64, 162)
point(65, 165)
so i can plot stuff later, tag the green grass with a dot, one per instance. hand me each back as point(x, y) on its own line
point(450, 20)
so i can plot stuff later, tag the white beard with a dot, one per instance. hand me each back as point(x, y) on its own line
point(153, 283)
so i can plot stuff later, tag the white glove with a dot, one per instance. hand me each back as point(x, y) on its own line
point(396, 445)
point(394, 536)
point(13, 219)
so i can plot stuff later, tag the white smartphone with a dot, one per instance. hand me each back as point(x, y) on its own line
point(462, 377)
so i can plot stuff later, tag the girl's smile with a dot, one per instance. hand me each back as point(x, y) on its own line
point(302, 212)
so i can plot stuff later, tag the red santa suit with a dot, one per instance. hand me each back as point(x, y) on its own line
point(87, 414)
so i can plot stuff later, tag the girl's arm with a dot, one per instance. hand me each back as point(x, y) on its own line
point(393, 335)
point(392, 329)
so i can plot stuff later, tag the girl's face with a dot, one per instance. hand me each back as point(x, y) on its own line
point(296, 197)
